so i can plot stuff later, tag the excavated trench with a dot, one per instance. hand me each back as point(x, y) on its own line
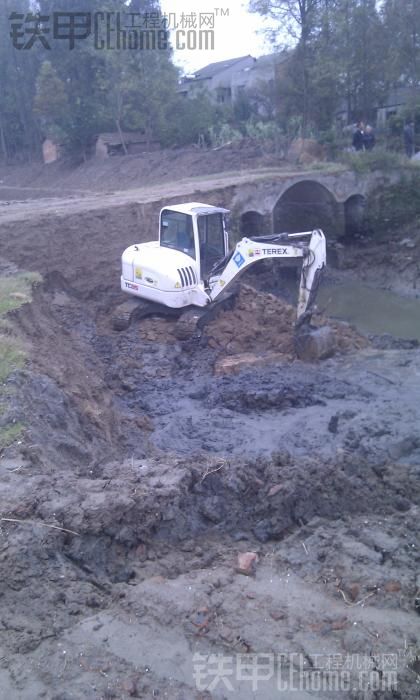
point(159, 469)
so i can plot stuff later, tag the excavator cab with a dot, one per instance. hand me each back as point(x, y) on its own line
point(198, 231)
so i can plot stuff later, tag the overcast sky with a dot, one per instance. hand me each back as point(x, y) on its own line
point(235, 35)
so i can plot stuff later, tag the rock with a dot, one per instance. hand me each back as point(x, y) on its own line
point(274, 490)
point(141, 552)
point(144, 423)
point(236, 363)
point(277, 614)
point(392, 587)
point(263, 530)
point(128, 385)
point(130, 686)
point(246, 563)
point(403, 448)
point(315, 343)
point(212, 509)
point(353, 591)
point(407, 243)
point(340, 624)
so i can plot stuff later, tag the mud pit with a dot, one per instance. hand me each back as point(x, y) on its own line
point(161, 472)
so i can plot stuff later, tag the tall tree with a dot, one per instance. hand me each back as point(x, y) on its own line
point(402, 27)
point(18, 69)
point(360, 56)
point(299, 19)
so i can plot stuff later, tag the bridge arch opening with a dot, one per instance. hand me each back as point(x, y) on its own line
point(305, 206)
point(252, 224)
point(355, 216)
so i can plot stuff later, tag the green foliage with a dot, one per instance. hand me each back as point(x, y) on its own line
point(391, 208)
point(223, 134)
point(344, 57)
point(242, 108)
point(51, 101)
point(347, 54)
point(264, 131)
point(11, 357)
point(188, 120)
point(401, 34)
point(9, 434)
point(368, 161)
point(16, 290)
point(18, 69)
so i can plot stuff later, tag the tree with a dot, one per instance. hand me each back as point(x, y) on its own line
point(338, 56)
point(299, 18)
point(51, 102)
point(361, 55)
point(402, 34)
point(18, 69)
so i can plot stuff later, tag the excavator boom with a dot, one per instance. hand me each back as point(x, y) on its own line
point(251, 250)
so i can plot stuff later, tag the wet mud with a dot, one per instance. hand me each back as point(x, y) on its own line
point(145, 469)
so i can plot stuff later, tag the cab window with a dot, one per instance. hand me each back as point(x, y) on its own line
point(212, 240)
point(176, 231)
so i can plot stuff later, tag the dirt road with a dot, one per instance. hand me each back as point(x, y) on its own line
point(158, 471)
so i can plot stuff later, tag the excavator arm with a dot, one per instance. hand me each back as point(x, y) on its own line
point(284, 245)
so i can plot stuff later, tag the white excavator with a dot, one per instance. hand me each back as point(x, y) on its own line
point(189, 271)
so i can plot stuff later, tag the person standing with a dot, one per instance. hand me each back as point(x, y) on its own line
point(358, 137)
point(409, 138)
point(369, 139)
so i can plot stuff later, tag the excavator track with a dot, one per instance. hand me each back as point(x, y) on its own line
point(135, 309)
point(191, 323)
point(187, 326)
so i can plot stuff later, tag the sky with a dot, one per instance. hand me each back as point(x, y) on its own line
point(236, 31)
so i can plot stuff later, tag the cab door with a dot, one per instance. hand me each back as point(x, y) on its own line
point(212, 242)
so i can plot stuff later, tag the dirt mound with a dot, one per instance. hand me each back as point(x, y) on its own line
point(264, 323)
point(120, 172)
point(257, 323)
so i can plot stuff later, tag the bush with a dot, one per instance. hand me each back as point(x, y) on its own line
point(223, 134)
point(368, 161)
point(391, 208)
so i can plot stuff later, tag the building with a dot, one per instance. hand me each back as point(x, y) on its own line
point(111, 144)
point(223, 81)
point(397, 101)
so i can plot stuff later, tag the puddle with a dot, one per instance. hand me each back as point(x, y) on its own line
point(374, 311)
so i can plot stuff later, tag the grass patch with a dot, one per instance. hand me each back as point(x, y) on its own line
point(16, 290)
point(9, 434)
point(11, 357)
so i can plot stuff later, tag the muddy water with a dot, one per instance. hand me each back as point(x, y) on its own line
point(374, 311)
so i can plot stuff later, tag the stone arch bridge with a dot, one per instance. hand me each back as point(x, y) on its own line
point(331, 200)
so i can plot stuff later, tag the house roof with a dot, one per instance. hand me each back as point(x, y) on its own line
point(214, 68)
point(400, 96)
point(114, 138)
